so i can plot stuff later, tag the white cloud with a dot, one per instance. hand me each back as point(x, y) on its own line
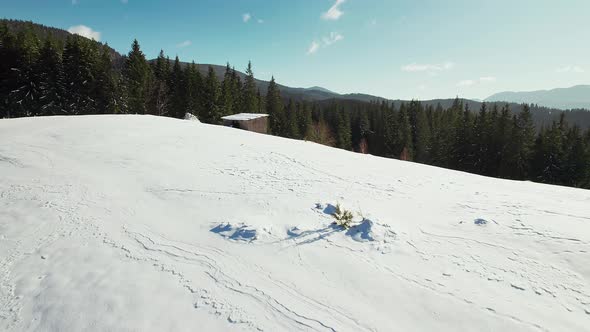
point(85, 31)
point(466, 83)
point(314, 47)
point(184, 44)
point(325, 42)
point(570, 69)
point(260, 21)
point(487, 79)
point(481, 80)
point(414, 67)
point(334, 37)
point(246, 17)
point(334, 12)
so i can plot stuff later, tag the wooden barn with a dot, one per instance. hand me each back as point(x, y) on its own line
point(248, 121)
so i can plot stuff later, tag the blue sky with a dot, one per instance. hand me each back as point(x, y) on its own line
point(393, 48)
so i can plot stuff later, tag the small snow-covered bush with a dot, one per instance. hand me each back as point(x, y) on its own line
point(191, 117)
point(343, 217)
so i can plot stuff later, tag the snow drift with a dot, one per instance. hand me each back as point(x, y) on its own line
point(147, 223)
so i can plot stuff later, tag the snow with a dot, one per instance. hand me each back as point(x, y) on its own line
point(191, 117)
point(117, 223)
point(244, 116)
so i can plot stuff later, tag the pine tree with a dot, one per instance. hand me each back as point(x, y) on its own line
point(364, 128)
point(275, 109)
point(420, 132)
point(575, 164)
point(404, 145)
point(159, 93)
point(501, 160)
point(304, 119)
point(464, 152)
point(549, 157)
point(178, 93)
point(137, 77)
point(236, 88)
point(292, 129)
point(10, 60)
point(390, 131)
point(161, 67)
point(260, 102)
point(480, 140)
point(343, 131)
point(211, 95)
point(586, 181)
point(194, 89)
point(249, 96)
point(24, 97)
point(227, 92)
point(105, 84)
point(78, 63)
point(520, 146)
point(49, 71)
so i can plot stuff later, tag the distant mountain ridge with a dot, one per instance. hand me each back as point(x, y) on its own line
point(575, 97)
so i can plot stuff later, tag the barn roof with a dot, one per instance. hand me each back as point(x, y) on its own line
point(244, 116)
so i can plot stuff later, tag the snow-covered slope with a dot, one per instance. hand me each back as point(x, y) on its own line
point(141, 223)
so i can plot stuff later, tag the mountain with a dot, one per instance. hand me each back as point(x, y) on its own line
point(143, 223)
point(319, 88)
point(575, 97)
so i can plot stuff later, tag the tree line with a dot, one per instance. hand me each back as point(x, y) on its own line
point(492, 141)
point(43, 76)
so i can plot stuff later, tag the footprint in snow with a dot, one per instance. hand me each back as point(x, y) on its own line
point(241, 232)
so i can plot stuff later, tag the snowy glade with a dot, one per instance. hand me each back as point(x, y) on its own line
point(157, 224)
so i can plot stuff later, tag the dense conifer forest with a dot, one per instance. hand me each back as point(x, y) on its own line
point(44, 72)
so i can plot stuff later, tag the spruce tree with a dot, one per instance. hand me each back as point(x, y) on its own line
point(343, 131)
point(194, 89)
point(292, 130)
point(23, 99)
point(161, 67)
point(364, 128)
point(137, 76)
point(464, 152)
point(178, 93)
point(275, 109)
point(227, 92)
point(105, 83)
point(575, 164)
point(420, 132)
point(390, 131)
point(211, 95)
point(520, 146)
point(249, 93)
point(79, 76)
point(404, 144)
point(503, 133)
point(49, 71)
point(236, 91)
point(159, 93)
point(11, 59)
point(480, 140)
point(304, 119)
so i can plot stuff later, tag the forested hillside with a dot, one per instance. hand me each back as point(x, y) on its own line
point(43, 74)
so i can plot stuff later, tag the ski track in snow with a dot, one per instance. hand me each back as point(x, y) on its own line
point(139, 199)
